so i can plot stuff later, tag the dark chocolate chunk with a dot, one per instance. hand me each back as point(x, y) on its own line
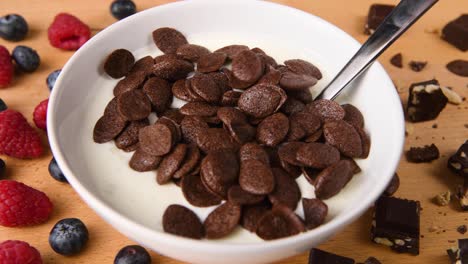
point(196, 193)
point(299, 66)
point(422, 154)
point(462, 229)
point(459, 67)
point(192, 158)
point(159, 93)
point(191, 52)
point(344, 137)
point(397, 60)
point(172, 69)
point(458, 162)
point(129, 136)
point(181, 221)
point(171, 163)
point(247, 66)
point(222, 221)
point(119, 63)
point(142, 161)
point(417, 66)
point(232, 50)
point(353, 115)
point(239, 196)
point(219, 171)
point(256, 177)
point(211, 62)
point(376, 15)
point(133, 105)
point(273, 130)
point(372, 260)
point(317, 155)
point(462, 195)
point(426, 100)
point(392, 186)
point(251, 215)
point(333, 179)
point(168, 40)
point(456, 32)
point(262, 100)
point(279, 222)
point(317, 256)
point(156, 139)
point(286, 191)
point(254, 151)
point(315, 212)
point(459, 254)
point(216, 139)
point(396, 224)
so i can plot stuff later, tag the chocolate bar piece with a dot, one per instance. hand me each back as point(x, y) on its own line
point(396, 224)
point(459, 255)
point(462, 195)
point(422, 154)
point(426, 100)
point(318, 256)
point(456, 32)
point(458, 162)
point(377, 14)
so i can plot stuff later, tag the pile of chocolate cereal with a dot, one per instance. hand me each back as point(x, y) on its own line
point(248, 130)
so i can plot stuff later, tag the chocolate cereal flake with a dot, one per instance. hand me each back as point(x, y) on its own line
point(253, 151)
point(261, 100)
point(172, 69)
point(216, 139)
point(191, 52)
point(129, 136)
point(256, 177)
point(196, 193)
point(119, 63)
point(315, 212)
point(159, 93)
point(156, 139)
point(273, 129)
point(219, 171)
point(286, 191)
point(299, 66)
point(333, 179)
point(192, 158)
point(279, 222)
point(232, 50)
point(168, 40)
point(317, 155)
point(327, 110)
point(239, 196)
point(211, 62)
point(181, 221)
point(353, 115)
point(392, 186)
point(142, 161)
point(133, 105)
point(171, 163)
point(251, 215)
point(344, 137)
point(247, 66)
point(222, 221)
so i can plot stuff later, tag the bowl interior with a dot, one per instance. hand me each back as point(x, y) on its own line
point(100, 172)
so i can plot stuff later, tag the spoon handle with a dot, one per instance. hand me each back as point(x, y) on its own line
point(397, 22)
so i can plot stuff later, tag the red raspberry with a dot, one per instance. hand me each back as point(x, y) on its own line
point(15, 251)
point(21, 205)
point(68, 32)
point(40, 115)
point(17, 138)
point(6, 67)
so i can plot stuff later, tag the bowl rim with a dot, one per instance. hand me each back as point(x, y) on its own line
point(105, 211)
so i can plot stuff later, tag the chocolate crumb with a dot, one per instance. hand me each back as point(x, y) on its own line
point(465, 125)
point(445, 214)
point(397, 60)
point(442, 199)
point(417, 66)
point(422, 236)
point(435, 126)
point(462, 229)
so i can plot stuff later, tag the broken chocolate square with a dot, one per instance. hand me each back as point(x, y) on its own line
point(458, 162)
point(396, 224)
point(462, 195)
point(456, 32)
point(422, 154)
point(426, 100)
point(377, 14)
point(459, 255)
point(318, 256)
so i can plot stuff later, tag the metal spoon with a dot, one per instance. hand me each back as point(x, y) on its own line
point(397, 22)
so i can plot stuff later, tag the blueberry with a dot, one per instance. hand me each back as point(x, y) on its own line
point(133, 254)
point(122, 8)
point(13, 27)
point(52, 78)
point(3, 105)
point(68, 236)
point(2, 169)
point(26, 58)
point(55, 171)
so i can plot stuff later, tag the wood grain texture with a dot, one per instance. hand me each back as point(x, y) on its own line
point(418, 181)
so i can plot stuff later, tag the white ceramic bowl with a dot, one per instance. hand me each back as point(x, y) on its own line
point(133, 203)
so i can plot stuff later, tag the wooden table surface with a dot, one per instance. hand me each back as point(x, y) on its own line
point(418, 181)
